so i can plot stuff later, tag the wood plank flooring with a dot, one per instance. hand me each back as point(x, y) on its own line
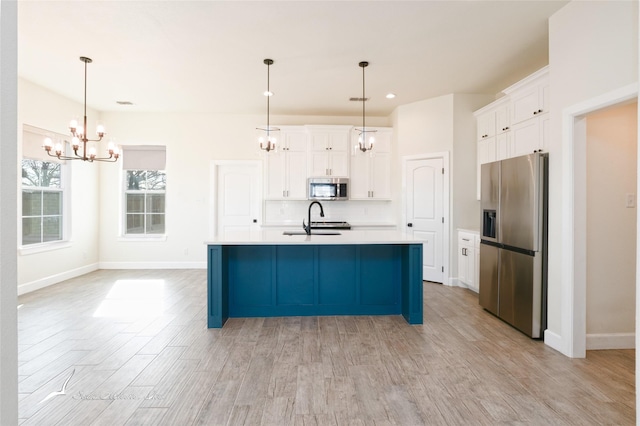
point(462, 367)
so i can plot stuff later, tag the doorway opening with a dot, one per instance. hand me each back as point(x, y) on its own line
point(572, 342)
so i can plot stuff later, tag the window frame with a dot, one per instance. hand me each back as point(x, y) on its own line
point(65, 209)
point(145, 236)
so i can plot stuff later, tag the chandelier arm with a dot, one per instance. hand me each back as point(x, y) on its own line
point(82, 137)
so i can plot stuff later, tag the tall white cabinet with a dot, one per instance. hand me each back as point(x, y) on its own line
point(286, 168)
point(371, 170)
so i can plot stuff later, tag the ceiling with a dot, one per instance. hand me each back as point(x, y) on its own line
point(207, 56)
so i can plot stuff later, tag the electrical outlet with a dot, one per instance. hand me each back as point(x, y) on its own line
point(631, 201)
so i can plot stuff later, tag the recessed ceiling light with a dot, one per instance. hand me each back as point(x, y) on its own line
point(391, 95)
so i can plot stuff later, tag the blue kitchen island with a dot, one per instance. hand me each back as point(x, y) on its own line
point(267, 274)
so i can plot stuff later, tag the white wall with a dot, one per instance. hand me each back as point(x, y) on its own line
point(611, 226)
point(465, 209)
point(593, 49)
point(41, 108)
point(445, 123)
point(192, 141)
point(8, 177)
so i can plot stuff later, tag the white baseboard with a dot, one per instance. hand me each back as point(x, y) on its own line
point(455, 282)
point(452, 282)
point(55, 279)
point(153, 265)
point(611, 341)
point(554, 341)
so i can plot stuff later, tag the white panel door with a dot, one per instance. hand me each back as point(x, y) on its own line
point(425, 213)
point(238, 198)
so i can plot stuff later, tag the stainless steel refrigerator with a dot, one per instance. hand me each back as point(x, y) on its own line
point(513, 245)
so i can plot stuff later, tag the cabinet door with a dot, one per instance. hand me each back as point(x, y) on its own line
point(502, 119)
point(296, 175)
point(359, 178)
point(503, 148)
point(318, 163)
point(296, 141)
point(486, 125)
point(275, 187)
point(471, 266)
point(380, 175)
point(339, 141)
point(526, 137)
point(319, 141)
point(524, 105)
point(486, 154)
point(463, 266)
point(338, 163)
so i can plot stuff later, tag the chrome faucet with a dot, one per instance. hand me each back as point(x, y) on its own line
point(307, 227)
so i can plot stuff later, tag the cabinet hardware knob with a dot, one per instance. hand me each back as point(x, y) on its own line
point(410, 225)
point(539, 111)
point(535, 112)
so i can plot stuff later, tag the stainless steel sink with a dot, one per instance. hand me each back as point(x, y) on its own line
point(312, 233)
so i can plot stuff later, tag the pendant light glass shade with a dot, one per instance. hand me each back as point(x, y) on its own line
point(267, 139)
point(366, 138)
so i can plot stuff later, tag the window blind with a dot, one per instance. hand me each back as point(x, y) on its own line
point(144, 157)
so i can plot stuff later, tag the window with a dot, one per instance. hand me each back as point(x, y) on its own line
point(42, 196)
point(145, 184)
point(145, 201)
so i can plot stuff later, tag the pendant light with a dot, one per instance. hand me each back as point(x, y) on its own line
point(79, 134)
point(267, 140)
point(365, 139)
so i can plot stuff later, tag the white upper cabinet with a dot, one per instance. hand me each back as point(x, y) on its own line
point(516, 124)
point(371, 171)
point(329, 151)
point(529, 97)
point(492, 119)
point(286, 168)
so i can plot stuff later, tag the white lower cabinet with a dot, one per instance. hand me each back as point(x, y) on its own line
point(468, 256)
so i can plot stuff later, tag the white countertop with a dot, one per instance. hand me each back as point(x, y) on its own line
point(268, 237)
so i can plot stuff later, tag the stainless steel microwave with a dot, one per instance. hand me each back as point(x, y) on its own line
point(328, 189)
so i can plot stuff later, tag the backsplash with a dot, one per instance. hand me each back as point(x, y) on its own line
point(357, 213)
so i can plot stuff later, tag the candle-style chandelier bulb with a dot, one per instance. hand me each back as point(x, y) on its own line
point(79, 135)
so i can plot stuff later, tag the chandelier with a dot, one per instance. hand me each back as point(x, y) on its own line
point(266, 140)
point(79, 136)
point(365, 138)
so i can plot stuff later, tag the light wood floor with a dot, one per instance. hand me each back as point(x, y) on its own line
point(462, 367)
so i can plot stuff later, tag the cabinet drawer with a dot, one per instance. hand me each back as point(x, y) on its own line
point(466, 239)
